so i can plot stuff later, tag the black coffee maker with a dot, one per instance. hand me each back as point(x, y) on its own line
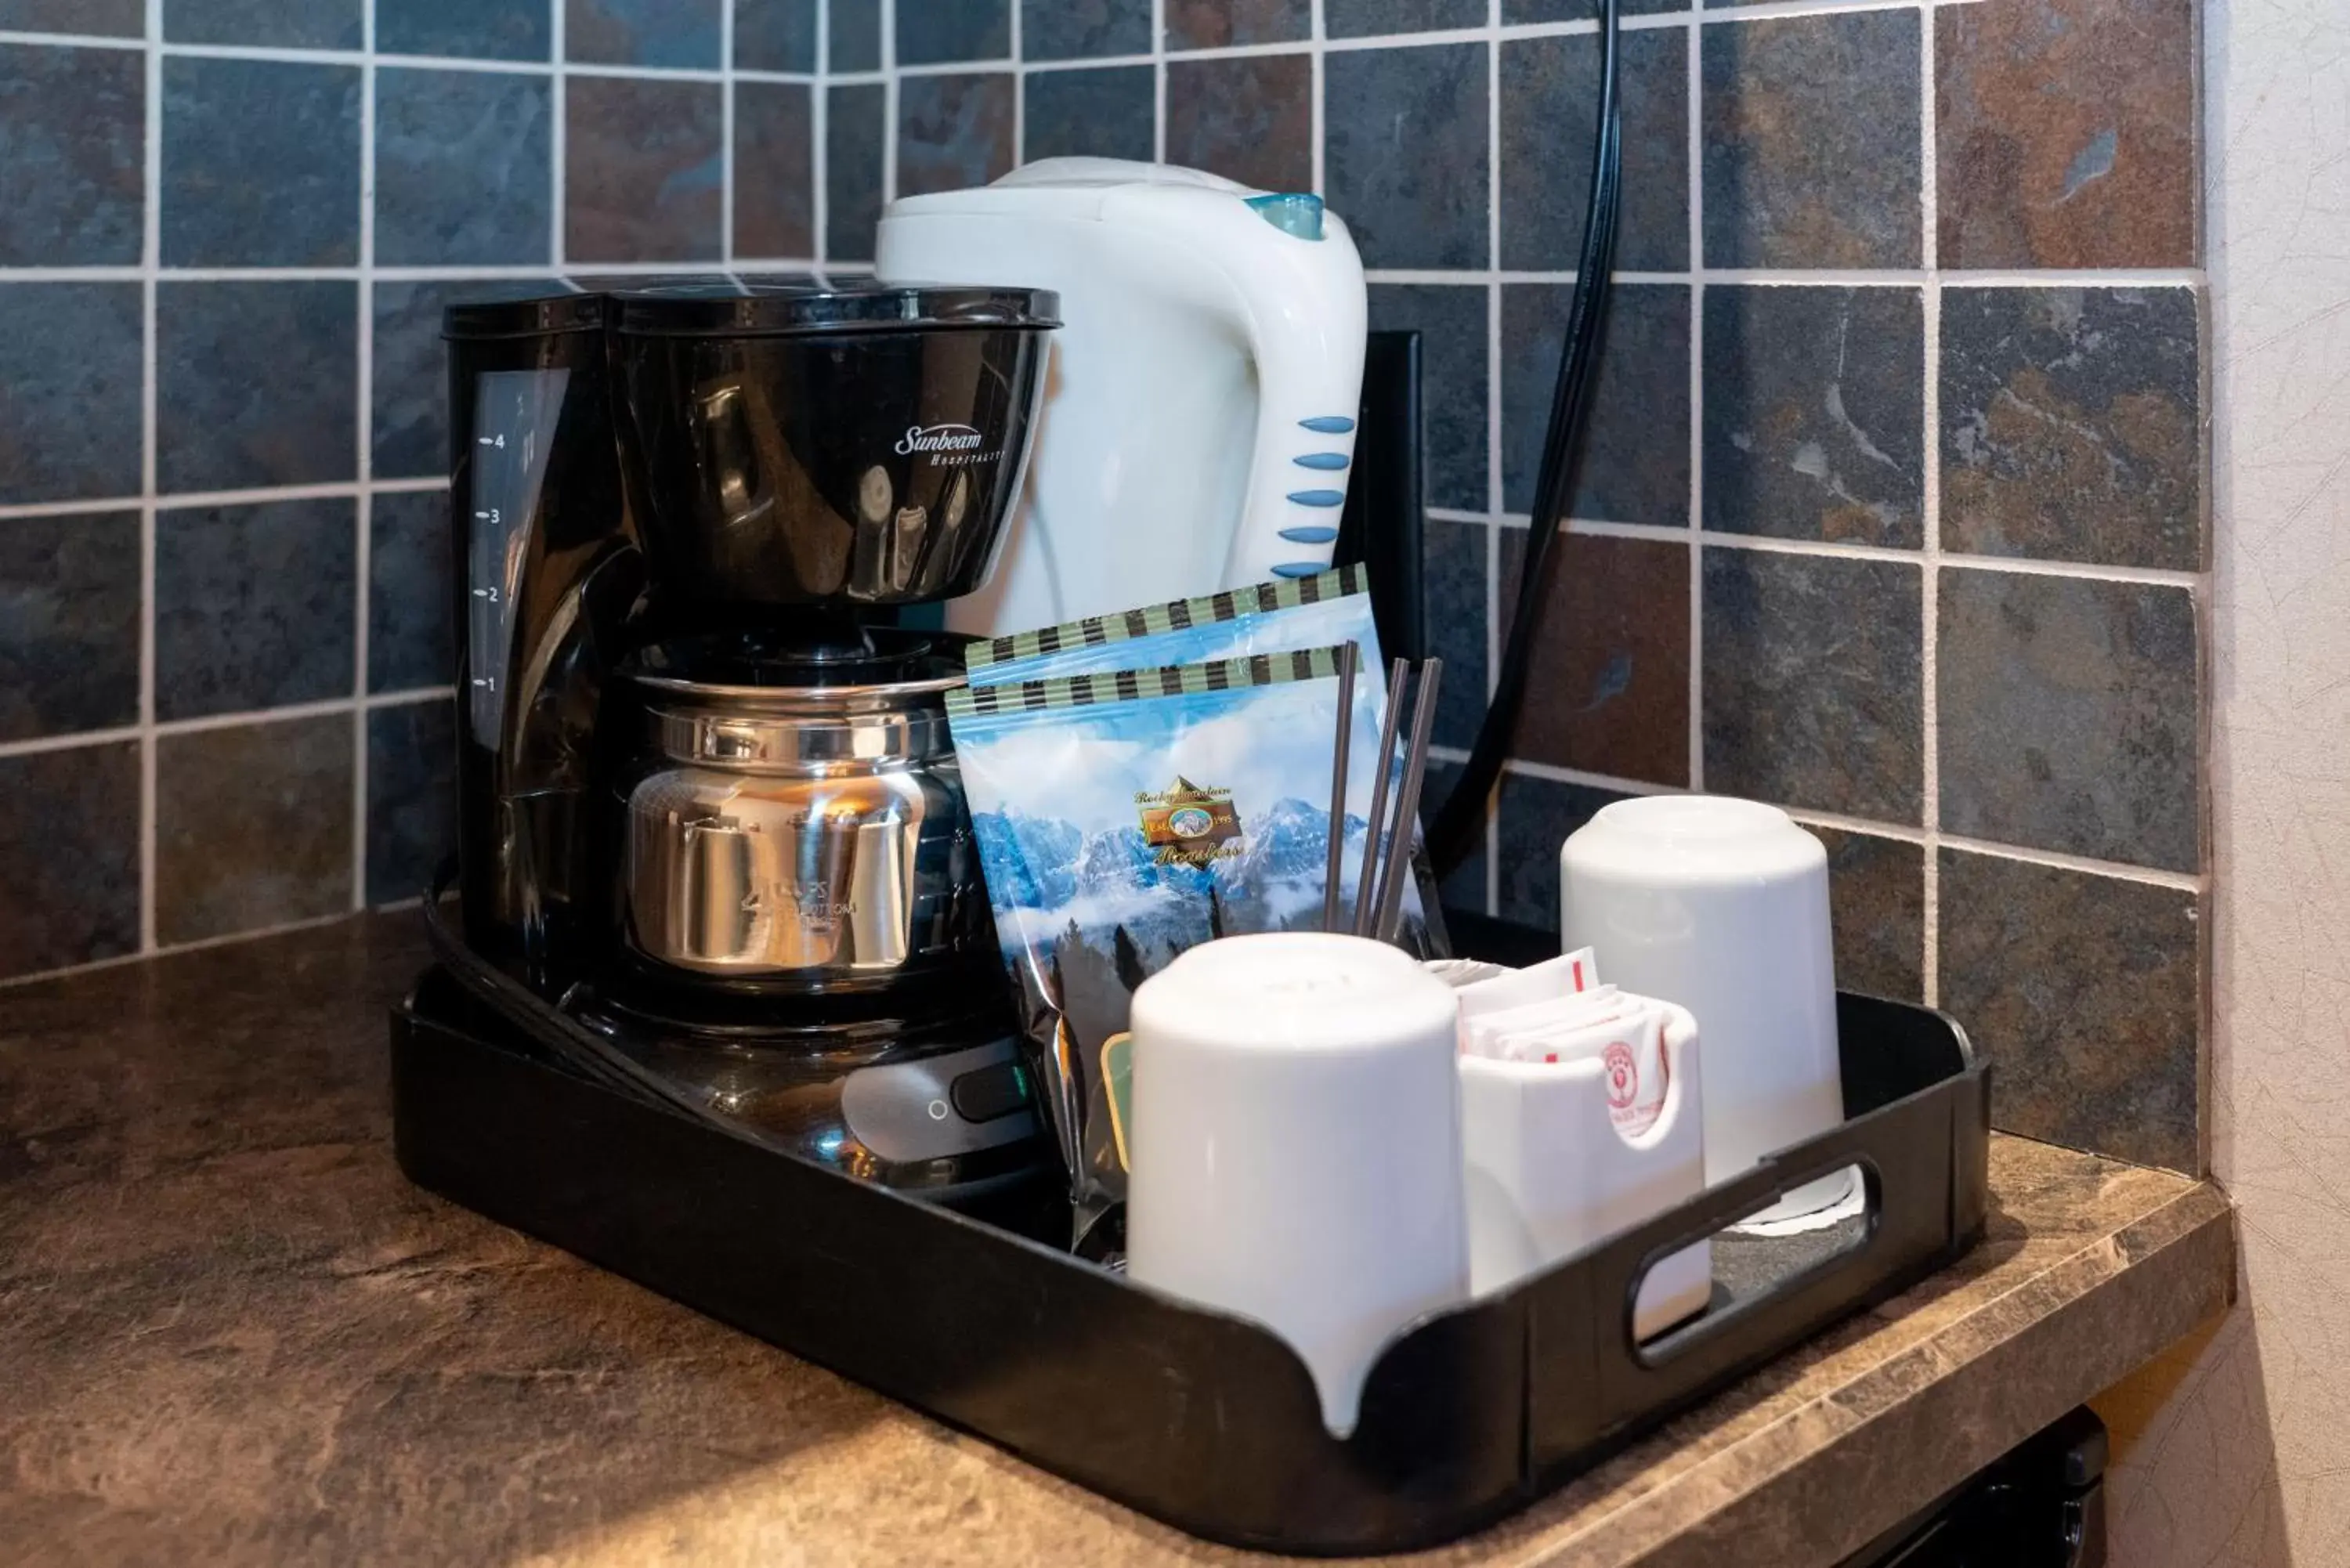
point(711, 838)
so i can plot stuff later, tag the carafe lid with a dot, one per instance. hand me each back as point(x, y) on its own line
point(839, 667)
point(746, 704)
point(769, 311)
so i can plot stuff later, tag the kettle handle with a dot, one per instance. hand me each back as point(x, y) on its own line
point(1306, 317)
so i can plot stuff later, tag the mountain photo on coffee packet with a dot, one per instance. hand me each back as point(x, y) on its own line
point(1287, 615)
point(1123, 818)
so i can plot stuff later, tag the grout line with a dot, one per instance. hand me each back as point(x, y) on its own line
point(363, 510)
point(1492, 674)
point(82, 40)
point(1590, 780)
point(1713, 539)
point(889, 75)
point(1494, 498)
point(681, 266)
point(1772, 10)
point(1492, 268)
point(606, 71)
point(2056, 859)
point(35, 744)
point(820, 137)
point(2114, 277)
point(70, 508)
point(1875, 827)
point(726, 133)
point(1932, 840)
point(1929, 509)
point(558, 162)
point(2150, 576)
point(990, 65)
point(1019, 88)
point(198, 945)
point(1158, 79)
point(1081, 63)
point(135, 273)
point(526, 272)
point(342, 489)
point(1820, 277)
point(401, 698)
point(367, 702)
point(1693, 151)
point(554, 65)
point(150, 249)
point(1317, 31)
point(321, 708)
point(475, 63)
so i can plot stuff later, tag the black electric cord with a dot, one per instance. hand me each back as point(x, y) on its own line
point(1460, 822)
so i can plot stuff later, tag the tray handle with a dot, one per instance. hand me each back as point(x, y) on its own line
point(1590, 1380)
point(1750, 1194)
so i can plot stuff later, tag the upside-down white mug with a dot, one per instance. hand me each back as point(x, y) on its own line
point(1295, 1156)
point(1721, 906)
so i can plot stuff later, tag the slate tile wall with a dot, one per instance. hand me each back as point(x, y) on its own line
point(1893, 511)
point(227, 231)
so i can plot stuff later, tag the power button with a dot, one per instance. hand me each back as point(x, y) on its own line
point(991, 1092)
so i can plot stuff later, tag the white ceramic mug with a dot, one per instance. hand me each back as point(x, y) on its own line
point(1721, 906)
point(1548, 1174)
point(1295, 1147)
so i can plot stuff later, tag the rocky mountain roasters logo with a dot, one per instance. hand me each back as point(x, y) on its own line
point(1189, 824)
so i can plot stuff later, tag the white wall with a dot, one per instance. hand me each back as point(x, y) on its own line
point(2236, 1450)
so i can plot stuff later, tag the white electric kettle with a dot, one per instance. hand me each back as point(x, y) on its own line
point(1200, 413)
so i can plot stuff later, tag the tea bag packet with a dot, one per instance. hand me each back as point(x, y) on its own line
point(1125, 817)
point(1284, 615)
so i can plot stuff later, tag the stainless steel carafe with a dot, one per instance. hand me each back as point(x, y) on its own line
point(809, 835)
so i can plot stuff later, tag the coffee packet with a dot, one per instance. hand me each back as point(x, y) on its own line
point(1283, 616)
point(1125, 817)
point(1287, 615)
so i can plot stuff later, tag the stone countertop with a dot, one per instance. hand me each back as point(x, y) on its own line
point(235, 1334)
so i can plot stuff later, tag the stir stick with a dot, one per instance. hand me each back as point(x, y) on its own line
point(1386, 762)
point(1347, 656)
point(1407, 817)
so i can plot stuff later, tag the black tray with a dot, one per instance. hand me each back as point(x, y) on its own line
point(1202, 1420)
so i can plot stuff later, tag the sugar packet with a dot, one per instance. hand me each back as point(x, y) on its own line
point(1558, 1011)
